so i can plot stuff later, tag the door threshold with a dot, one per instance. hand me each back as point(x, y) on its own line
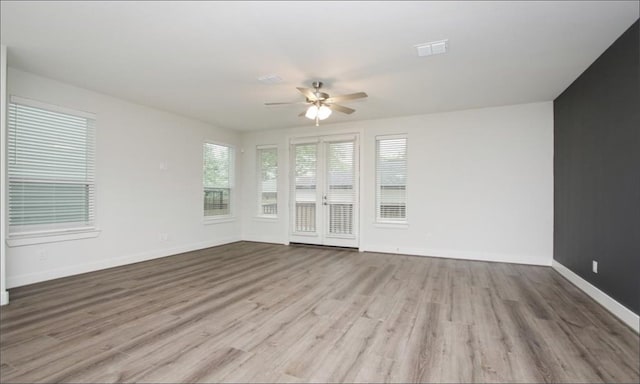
point(352, 249)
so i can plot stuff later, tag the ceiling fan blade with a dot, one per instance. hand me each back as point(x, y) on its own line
point(287, 103)
point(351, 96)
point(341, 108)
point(308, 93)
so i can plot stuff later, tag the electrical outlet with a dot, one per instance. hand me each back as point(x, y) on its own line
point(42, 255)
point(594, 266)
point(163, 237)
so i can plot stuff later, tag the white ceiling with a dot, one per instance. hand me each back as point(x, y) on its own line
point(202, 59)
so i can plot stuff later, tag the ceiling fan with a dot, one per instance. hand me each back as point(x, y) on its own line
point(321, 104)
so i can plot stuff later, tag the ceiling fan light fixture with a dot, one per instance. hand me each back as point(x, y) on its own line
point(312, 112)
point(324, 112)
point(321, 112)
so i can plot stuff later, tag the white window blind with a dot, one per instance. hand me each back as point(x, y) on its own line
point(51, 168)
point(267, 181)
point(391, 179)
point(217, 179)
point(305, 187)
point(341, 194)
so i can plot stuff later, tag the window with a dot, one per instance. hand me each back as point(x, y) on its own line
point(267, 180)
point(391, 179)
point(51, 168)
point(217, 180)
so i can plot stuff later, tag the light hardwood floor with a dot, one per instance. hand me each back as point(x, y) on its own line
point(252, 312)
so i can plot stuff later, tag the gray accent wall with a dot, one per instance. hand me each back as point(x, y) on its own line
point(597, 172)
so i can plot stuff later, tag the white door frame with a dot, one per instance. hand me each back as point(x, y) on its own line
point(322, 236)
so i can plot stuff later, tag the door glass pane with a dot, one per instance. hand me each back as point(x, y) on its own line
point(305, 187)
point(341, 187)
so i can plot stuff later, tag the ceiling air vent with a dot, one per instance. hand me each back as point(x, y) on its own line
point(270, 79)
point(432, 48)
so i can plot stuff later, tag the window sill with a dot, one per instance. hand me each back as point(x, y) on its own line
point(391, 225)
point(218, 220)
point(268, 219)
point(18, 240)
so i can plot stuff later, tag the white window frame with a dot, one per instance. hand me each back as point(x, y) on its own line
point(387, 222)
point(232, 171)
point(259, 181)
point(39, 234)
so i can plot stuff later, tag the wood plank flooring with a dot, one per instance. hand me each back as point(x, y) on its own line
point(253, 312)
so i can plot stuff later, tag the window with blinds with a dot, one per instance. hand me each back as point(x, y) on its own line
point(217, 179)
point(391, 178)
point(51, 168)
point(267, 166)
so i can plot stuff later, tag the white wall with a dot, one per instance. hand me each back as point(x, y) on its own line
point(480, 184)
point(136, 201)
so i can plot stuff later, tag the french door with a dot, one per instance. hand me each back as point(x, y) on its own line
point(324, 195)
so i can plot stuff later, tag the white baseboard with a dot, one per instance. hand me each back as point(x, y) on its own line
point(262, 239)
point(464, 255)
point(17, 281)
point(619, 310)
point(4, 298)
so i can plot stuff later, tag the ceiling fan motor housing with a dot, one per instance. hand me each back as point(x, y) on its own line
point(320, 96)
